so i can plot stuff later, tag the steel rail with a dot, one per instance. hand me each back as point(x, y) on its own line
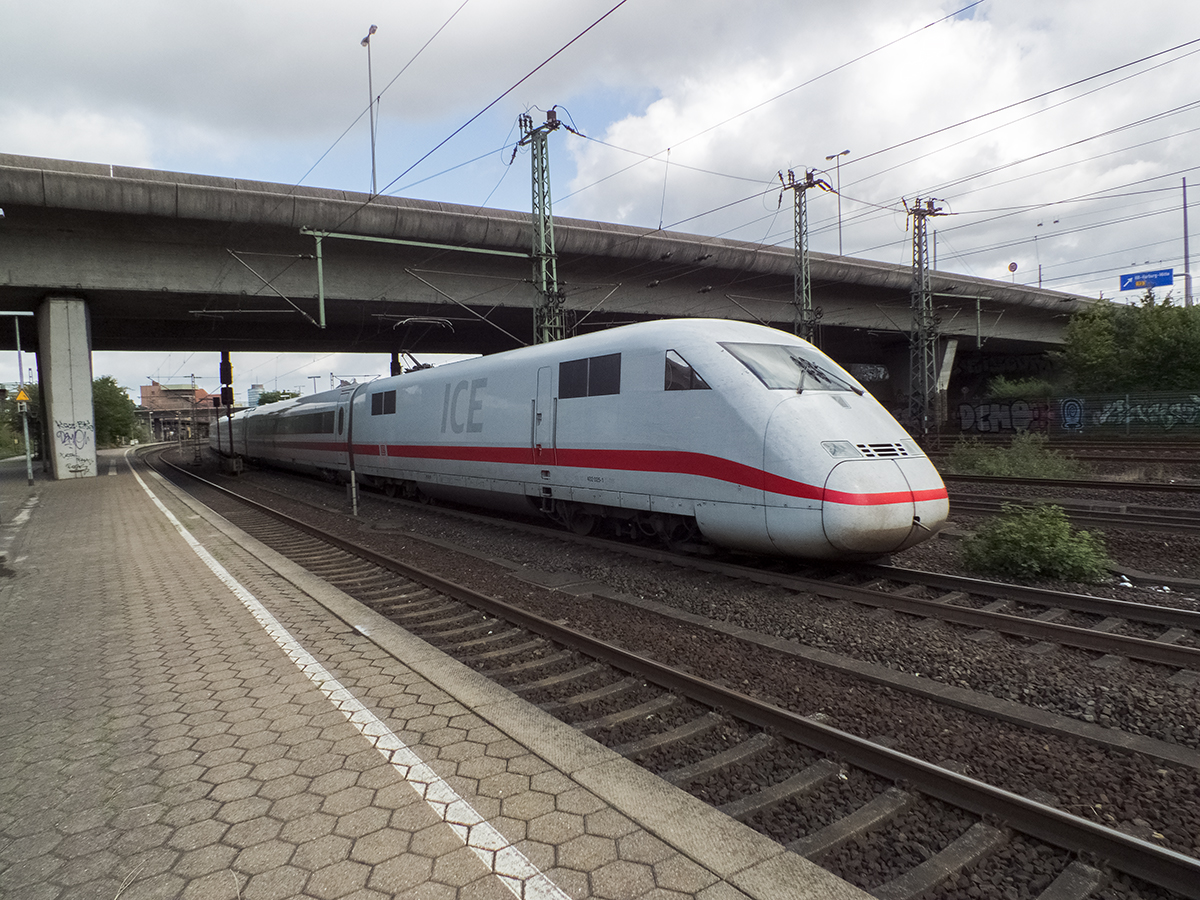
point(1082, 638)
point(1101, 606)
point(1068, 635)
point(1187, 521)
point(1181, 657)
point(1082, 483)
point(1157, 865)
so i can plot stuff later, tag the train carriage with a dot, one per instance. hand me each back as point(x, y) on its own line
point(745, 435)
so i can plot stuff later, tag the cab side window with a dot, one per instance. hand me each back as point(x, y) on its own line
point(680, 376)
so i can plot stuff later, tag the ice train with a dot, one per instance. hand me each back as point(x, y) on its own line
point(747, 436)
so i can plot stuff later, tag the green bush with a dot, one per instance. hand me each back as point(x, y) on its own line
point(1036, 542)
point(1028, 456)
point(1000, 388)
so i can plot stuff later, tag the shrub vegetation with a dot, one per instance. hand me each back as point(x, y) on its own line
point(1000, 388)
point(1028, 456)
point(1036, 542)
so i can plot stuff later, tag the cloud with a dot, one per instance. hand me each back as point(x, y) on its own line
point(76, 134)
point(737, 92)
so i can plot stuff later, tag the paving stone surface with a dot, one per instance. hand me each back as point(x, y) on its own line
point(156, 742)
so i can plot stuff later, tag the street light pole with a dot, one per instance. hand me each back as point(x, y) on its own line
point(366, 42)
point(837, 161)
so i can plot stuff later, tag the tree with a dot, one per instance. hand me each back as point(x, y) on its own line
point(275, 396)
point(116, 421)
point(1153, 346)
point(12, 430)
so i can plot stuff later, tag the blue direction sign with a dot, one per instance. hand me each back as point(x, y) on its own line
point(1138, 280)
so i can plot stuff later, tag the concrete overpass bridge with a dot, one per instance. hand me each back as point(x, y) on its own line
point(149, 260)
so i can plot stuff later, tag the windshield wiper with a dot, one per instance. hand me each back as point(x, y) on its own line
point(810, 368)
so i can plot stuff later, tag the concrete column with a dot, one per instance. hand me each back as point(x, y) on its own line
point(65, 368)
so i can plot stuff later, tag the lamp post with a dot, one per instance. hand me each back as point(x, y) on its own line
point(837, 161)
point(366, 42)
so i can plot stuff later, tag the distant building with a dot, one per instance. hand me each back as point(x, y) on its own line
point(252, 394)
point(172, 397)
point(177, 409)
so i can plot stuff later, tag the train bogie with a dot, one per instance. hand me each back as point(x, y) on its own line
point(741, 434)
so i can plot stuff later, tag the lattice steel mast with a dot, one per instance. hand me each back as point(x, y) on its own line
point(806, 316)
point(924, 337)
point(548, 317)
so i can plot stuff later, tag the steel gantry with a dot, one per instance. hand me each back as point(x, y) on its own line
point(806, 316)
point(548, 318)
point(922, 397)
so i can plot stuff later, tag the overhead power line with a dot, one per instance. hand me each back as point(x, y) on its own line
point(863, 157)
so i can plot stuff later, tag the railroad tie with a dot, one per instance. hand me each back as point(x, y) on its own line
point(801, 783)
point(487, 640)
point(871, 815)
point(1173, 635)
point(576, 674)
point(1077, 881)
point(641, 711)
point(679, 734)
point(742, 751)
point(977, 842)
point(526, 665)
point(614, 689)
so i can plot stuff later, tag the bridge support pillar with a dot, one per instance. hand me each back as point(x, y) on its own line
point(65, 375)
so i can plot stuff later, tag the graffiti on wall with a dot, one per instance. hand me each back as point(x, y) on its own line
point(1075, 414)
point(75, 445)
point(1164, 414)
point(1005, 415)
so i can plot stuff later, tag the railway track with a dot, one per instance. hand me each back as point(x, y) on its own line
point(669, 719)
point(1089, 513)
point(1159, 487)
point(1122, 449)
point(1078, 501)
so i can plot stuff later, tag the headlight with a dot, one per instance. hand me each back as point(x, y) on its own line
point(841, 449)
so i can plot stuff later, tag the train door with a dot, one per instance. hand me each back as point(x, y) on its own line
point(545, 408)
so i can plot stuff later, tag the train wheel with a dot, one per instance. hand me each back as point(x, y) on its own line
point(389, 488)
point(581, 522)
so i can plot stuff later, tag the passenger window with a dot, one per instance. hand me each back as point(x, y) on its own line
point(383, 403)
point(591, 377)
point(680, 376)
point(572, 379)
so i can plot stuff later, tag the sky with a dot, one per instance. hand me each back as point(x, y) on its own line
point(1051, 135)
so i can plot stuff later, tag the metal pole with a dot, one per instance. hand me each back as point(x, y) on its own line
point(28, 457)
point(837, 161)
point(366, 42)
point(24, 407)
point(320, 284)
point(1187, 256)
point(838, 167)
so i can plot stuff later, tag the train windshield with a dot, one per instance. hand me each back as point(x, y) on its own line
point(791, 368)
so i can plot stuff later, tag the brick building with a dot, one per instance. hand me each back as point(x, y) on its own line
point(177, 409)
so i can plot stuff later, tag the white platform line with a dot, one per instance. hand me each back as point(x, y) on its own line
point(504, 860)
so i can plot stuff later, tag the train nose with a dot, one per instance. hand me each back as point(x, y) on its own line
point(868, 507)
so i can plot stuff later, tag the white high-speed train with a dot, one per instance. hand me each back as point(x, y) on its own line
point(748, 436)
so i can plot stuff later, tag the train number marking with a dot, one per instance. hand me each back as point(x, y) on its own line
point(451, 414)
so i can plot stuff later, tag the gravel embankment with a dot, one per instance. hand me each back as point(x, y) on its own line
point(1134, 793)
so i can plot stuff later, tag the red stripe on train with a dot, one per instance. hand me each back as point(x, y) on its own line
point(674, 462)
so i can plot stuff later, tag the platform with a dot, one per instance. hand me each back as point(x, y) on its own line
point(187, 714)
